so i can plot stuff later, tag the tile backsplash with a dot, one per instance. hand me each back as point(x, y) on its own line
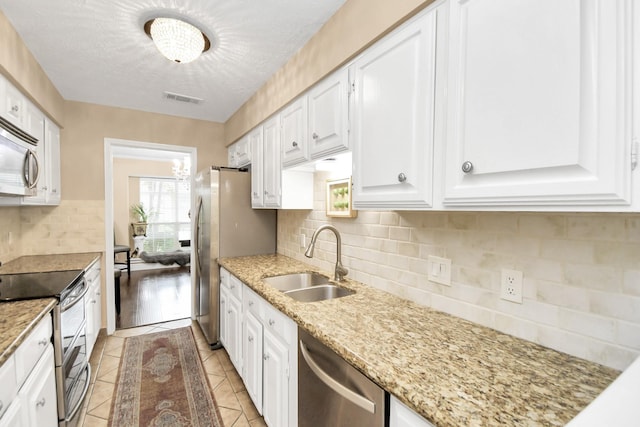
point(581, 272)
point(73, 226)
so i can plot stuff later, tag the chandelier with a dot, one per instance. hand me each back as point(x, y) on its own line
point(177, 40)
point(181, 170)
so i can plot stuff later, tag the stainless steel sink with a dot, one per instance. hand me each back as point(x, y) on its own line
point(319, 293)
point(289, 282)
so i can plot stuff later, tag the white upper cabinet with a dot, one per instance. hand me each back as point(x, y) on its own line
point(539, 104)
point(271, 159)
point(294, 117)
point(48, 151)
point(393, 119)
point(239, 153)
point(329, 115)
point(255, 138)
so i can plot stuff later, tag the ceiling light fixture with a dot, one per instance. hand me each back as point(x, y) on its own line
point(177, 40)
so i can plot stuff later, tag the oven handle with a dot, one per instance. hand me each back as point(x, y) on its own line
point(76, 299)
point(343, 391)
point(84, 394)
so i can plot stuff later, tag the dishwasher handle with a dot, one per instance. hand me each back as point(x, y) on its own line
point(343, 391)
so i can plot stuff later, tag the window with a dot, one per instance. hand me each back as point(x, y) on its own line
point(168, 201)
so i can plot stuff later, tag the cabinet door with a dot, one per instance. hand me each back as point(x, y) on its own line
point(393, 119)
point(294, 133)
point(243, 152)
point(252, 359)
point(234, 329)
point(539, 103)
point(329, 115)
point(401, 416)
point(271, 161)
point(224, 329)
point(38, 394)
point(14, 416)
point(13, 104)
point(275, 402)
point(257, 167)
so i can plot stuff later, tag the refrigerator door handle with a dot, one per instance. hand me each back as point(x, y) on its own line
point(197, 236)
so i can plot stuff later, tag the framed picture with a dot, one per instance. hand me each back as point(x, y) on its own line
point(339, 198)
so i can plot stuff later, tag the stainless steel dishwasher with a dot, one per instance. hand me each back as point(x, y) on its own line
point(333, 393)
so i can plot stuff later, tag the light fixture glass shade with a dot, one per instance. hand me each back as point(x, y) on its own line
point(177, 40)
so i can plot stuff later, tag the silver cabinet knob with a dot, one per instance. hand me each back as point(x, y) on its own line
point(41, 402)
point(314, 136)
point(229, 312)
point(402, 177)
point(265, 357)
point(43, 342)
point(250, 303)
point(467, 167)
point(271, 322)
point(15, 108)
point(250, 338)
point(294, 144)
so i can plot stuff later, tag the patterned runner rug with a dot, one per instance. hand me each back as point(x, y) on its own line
point(161, 382)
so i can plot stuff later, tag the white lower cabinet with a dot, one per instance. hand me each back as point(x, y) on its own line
point(230, 317)
point(93, 306)
point(38, 394)
point(27, 378)
point(269, 354)
point(401, 416)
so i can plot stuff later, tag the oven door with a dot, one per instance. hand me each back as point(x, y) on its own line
point(72, 380)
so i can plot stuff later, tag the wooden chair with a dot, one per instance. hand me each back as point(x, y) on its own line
point(117, 249)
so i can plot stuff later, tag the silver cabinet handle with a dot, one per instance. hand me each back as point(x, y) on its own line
point(250, 338)
point(229, 312)
point(265, 357)
point(314, 136)
point(343, 391)
point(250, 303)
point(294, 144)
point(271, 322)
point(15, 108)
point(41, 402)
point(43, 341)
point(402, 177)
point(467, 167)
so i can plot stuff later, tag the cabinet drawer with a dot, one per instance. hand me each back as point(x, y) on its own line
point(253, 303)
point(29, 352)
point(9, 388)
point(277, 322)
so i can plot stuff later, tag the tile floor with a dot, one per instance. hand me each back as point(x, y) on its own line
point(234, 403)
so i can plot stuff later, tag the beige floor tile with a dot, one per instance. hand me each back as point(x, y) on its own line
point(215, 380)
point(213, 366)
point(101, 411)
point(91, 421)
point(102, 392)
point(258, 422)
point(248, 408)
point(175, 324)
point(108, 370)
point(225, 397)
point(132, 332)
point(242, 422)
point(224, 360)
point(229, 416)
point(235, 381)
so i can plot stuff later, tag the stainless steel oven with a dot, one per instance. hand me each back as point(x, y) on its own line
point(70, 349)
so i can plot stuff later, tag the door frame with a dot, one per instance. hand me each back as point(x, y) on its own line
point(115, 148)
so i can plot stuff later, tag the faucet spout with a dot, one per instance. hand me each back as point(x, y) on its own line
point(340, 271)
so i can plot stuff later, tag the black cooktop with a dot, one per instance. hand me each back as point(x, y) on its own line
point(23, 286)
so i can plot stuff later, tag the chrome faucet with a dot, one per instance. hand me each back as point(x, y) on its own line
point(340, 271)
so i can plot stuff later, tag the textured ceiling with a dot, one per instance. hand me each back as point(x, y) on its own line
point(96, 51)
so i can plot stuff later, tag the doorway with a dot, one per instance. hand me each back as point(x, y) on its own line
point(142, 283)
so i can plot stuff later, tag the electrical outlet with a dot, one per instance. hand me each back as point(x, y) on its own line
point(439, 270)
point(511, 286)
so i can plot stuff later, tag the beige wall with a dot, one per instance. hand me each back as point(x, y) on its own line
point(354, 27)
point(19, 66)
point(82, 147)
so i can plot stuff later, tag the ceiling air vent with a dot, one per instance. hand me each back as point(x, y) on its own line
point(182, 98)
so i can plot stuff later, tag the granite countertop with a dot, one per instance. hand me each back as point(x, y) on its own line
point(17, 318)
point(451, 371)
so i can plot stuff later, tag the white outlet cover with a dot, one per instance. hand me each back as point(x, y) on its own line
point(511, 286)
point(439, 270)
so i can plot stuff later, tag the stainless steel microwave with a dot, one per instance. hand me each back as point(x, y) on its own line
point(19, 168)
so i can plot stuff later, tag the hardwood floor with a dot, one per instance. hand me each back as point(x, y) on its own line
point(154, 296)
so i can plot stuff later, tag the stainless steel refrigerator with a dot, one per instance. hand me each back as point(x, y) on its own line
point(226, 226)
